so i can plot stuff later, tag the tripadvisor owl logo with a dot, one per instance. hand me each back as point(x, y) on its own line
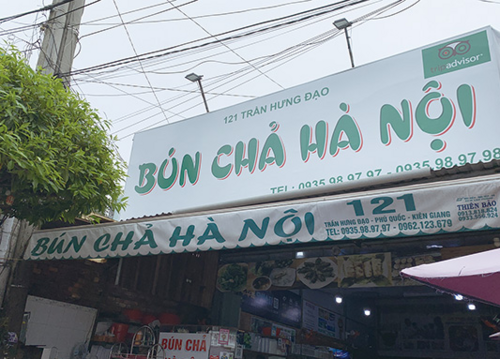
point(456, 54)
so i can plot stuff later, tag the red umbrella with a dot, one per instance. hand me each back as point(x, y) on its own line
point(476, 276)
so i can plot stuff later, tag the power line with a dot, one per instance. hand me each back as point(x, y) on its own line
point(153, 106)
point(132, 21)
point(308, 14)
point(27, 27)
point(157, 123)
point(140, 63)
point(132, 115)
point(193, 17)
point(279, 59)
point(156, 88)
point(18, 29)
point(226, 46)
point(210, 46)
point(45, 8)
point(398, 12)
point(123, 13)
point(296, 51)
point(198, 58)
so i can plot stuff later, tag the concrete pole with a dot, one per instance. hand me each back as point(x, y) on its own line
point(8, 236)
point(17, 285)
point(56, 57)
point(60, 39)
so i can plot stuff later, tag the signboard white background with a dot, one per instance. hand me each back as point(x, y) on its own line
point(355, 97)
point(185, 345)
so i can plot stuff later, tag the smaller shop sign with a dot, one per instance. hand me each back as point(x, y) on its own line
point(280, 306)
point(185, 345)
point(223, 336)
point(319, 320)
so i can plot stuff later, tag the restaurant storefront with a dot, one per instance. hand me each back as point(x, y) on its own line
point(312, 194)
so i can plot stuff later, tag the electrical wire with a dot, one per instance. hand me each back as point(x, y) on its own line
point(28, 27)
point(198, 58)
point(132, 21)
point(209, 92)
point(18, 29)
point(123, 13)
point(45, 8)
point(196, 17)
point(152, 106)
point(361, 19)
point(130, 66)
point(242, 73)
point(135, 52)
point(174, 49)
point(148, 92)
point(157, 123)
point(227, 46)
point(122, 74)
point(396, 13)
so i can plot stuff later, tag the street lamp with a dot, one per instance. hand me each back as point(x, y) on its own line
point(343, 24)
point(197, 78)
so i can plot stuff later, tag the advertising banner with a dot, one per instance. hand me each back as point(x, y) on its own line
point(433, 107)
point(319, 319)
point(447, 207)
point(281, 306)
point(436, 331)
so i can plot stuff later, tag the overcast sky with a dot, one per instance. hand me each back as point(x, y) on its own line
point(282, 54)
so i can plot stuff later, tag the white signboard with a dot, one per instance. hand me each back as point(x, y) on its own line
point(446, 208)
point(431, 107)
point(185, 345)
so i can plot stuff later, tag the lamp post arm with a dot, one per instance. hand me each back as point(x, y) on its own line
point(349, 46)
point(203, 95)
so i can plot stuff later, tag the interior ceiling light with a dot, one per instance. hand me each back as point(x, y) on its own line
point(471, 306)
point(98, 260)
point(338, 299)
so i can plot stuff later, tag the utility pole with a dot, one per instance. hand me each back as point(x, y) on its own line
point(56, 57)
point(60, 39)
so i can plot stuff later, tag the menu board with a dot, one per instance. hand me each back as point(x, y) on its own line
point(362, 270)
point(365, 270)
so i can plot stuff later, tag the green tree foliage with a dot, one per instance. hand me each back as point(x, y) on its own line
point(56, 160)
